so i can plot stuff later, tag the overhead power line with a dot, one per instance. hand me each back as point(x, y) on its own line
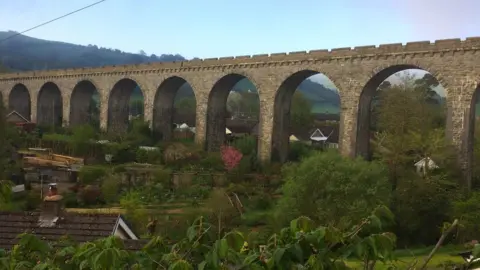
point(56, 19)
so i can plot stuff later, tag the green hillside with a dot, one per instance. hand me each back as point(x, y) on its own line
point(23, 53)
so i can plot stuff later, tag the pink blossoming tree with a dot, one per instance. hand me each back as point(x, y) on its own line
point(231, 157)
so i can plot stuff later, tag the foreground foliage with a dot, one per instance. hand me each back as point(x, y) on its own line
point(299, 246)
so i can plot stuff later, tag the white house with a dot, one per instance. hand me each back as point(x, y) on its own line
point(425, 164)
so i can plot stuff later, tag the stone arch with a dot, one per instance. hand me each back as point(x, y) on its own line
point(164, 107)
point(83, 104)
point(217, 108)
point(119, 104)
point(282, 106)
point(19, 100)
point(379, 75)
point(49, 105)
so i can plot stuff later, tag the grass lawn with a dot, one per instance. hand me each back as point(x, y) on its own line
point(403, 262)
point(406, 258)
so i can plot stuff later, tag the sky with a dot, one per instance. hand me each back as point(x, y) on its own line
point(217, 28)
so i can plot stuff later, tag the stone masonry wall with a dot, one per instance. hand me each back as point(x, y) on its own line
point(454, 62)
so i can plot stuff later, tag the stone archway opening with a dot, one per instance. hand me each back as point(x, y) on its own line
point(125, 103)
point(306, 101)
point(50, 106)
point(19, 101)
point(85, 105)
point(473, 139)
point(392, 105)
point(233, 113)
point(174, 110)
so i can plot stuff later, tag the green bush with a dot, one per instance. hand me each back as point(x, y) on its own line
point(164, 177)
point(120, 168)
point(298, 150)
point(135, 211)
point(91, 174)
point(333, 189)
point(56, 137)
point(32, 201)
point(254, 219)
point(421, 206)
point(194, 192)
point(111, 188)
point(70, 200)
point(203, 180)
point(262, 202)
point(467, 210)
point(247, 145)
point(121, 152)
point(212, 162)
point(149, 156)
point(247, 164)
point(91, 195)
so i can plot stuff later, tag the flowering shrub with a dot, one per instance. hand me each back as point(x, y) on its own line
point(231, 157)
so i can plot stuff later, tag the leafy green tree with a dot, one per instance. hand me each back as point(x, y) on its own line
point(139, 133)
point(301, 111)
point(81, 139)
point(135, 210)
point(409, 126)
point(421, 207)
point(94, 113)
point(9, 140)
point(186, 105)
point(111, 187)
point(333, 190)
point(136, 106)
point(243, 104)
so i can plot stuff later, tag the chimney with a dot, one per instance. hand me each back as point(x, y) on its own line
point(51, 208)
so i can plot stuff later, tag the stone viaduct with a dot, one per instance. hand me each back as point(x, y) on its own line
point(357, 72)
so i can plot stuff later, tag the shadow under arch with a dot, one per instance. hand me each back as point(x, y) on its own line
point(119, 104)
point(49, 105)
point(217, 109)
point(164, 106)
point(83, 106)
point(19, 101)
point(470, 123)
point(362, 138)
point(282, 112)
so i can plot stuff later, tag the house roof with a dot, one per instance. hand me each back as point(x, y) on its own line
point(423, 162)
point(18, 115)
point(241, 126)
point(79, 227)
point(305, 134)
point(186, 118)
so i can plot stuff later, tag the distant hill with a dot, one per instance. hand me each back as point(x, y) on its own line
point(324, 100)
point(3, 69)
point(24, 53)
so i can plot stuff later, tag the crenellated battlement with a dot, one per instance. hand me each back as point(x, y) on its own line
point(444, 45)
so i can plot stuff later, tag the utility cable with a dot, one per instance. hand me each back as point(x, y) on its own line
point(56, 19)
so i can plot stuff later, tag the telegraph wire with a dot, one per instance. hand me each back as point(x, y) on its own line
point(53, 20)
